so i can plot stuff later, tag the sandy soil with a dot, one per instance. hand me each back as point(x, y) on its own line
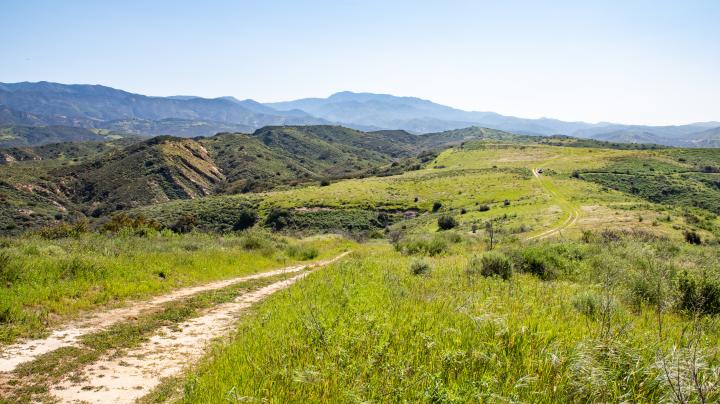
point(13, 355)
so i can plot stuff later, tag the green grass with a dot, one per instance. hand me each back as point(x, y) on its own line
point(36, 376)
point(368, 329)
point(53, 280)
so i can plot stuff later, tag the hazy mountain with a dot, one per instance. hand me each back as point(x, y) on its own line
point(92, 105)
point(383, 111)
point(95, 106)
point(416, 115)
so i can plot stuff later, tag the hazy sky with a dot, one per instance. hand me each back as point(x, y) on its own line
point(651, 62)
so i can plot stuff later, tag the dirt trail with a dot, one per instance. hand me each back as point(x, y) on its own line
point(69, 335)
point(136, 373)
point(573, 215)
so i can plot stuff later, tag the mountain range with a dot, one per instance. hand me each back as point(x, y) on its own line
point(103, 108)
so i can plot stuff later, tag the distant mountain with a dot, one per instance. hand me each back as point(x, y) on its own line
point(383, 111)
point(94, 105)
point(416, 115)
point(706, 138)
point(100, 107)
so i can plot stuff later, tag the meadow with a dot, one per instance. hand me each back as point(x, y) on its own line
point(49, 281)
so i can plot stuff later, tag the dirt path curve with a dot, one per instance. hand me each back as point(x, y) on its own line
point(573, 214)
point(69, 335)
point(129, 377)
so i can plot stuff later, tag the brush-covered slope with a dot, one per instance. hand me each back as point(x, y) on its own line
point(24, 136)
point(156, 170)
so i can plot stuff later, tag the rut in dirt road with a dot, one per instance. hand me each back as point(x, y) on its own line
point(133, 375)
point(69, 335)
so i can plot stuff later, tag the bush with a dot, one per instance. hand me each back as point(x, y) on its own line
point(184, 224)
point(9, 274)
point(420, 267)
point(592, 305)
point(302, 252)
point(324, 183)
point(549, 262)
point(506, 202)
point(698, 297)
point(446, 222)
point(436, 206)
point(255, 240)
point(63, 230)
point(137, 225)
point(245, 220)
point(422, 245)
point(278, 219)
point(483, 208)
point(692, 237)
point(492, 264)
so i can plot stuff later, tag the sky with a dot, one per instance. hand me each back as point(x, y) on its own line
point(632, 61)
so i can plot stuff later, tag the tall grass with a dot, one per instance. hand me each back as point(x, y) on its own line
point(45, 281)
point(368, 329)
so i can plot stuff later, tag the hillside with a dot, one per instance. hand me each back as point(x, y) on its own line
point(28, 136)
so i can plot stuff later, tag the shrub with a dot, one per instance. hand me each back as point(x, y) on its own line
point(436, 206)
point(184, 224)
point(8, 273)
point(446, 222)
point(278, 219)
point(419, 267)
point(549, 262)
point(255, 240)
point(463, 211)
point(490, 264)
point(324, 182)
point(245, 219)
point(506, 202)
point(302, 252)
point(63, 230)
point(483, 208)
point(422, 245)
point(698, 297)
point(495, 263)
point(692, 237)
point(137, 225)
point(77, 268)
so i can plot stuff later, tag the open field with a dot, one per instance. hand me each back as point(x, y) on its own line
point(494, 272)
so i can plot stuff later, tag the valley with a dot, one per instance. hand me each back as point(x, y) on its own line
point(465, 265)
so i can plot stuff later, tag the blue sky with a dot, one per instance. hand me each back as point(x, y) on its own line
point(649, 62)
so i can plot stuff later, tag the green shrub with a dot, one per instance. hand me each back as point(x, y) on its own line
point(423, 245)
point(491, 264)
point(302, 252)
point(483, 208)
point(698, 297)
point(693, 237)
point(436, 206)
point(255, 240)
point(8, 272)
point(63, 230)
point(420, 267)
point(549, 262)
point(137, 225)
point(185, 224)
point(246, 219)
point(277, 219)
point(446, 222)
